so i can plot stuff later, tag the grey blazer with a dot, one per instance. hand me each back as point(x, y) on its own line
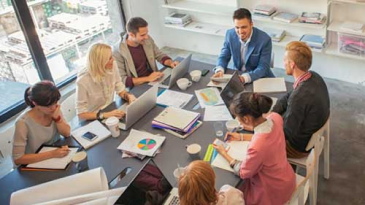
point(124, 58)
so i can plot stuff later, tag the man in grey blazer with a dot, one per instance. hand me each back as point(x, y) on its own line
point(137, 53)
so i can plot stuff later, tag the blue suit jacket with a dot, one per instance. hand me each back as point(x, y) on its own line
point(258, 54)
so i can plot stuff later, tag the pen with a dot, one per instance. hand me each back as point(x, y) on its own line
point(228, 137)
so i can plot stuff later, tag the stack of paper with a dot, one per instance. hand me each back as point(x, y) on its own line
point(94, 127)
point(269, 85)
point(313, 41)
point(285, 17)
point(217, 113)
point(351, 26)
point(264, 10)
point(173, 98)
point(208, 96)
point(312, 17)
point(141, 143)
point(177, 19)
point(237, 151)
point(176, 119)
point(276, 34)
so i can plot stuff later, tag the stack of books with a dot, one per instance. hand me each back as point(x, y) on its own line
point(178, 19)
point(264, 10)
point(285, 17)
point(312, 18)
point(314, 41)
point(276, 34)
point(177, 121)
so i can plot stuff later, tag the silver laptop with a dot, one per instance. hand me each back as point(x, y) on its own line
point(150, 186)
point(137, 109)
point(172, 75)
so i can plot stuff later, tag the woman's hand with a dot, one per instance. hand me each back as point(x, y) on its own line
point(115, 113)
point(60, 152)
point(232, 136)
point(57, 113)
point(220, 149)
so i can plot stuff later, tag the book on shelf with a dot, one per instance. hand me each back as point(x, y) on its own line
point(352, 26)
point(276, 34)
point(177, 18)
point(314, 41)
point(265, 10)
point(178, 24)
point(312, 17)
point(285, 17)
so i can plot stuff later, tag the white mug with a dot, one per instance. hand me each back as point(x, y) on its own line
point(183, 83)
point(194, 151)
point(232, 125)
point(195, 75)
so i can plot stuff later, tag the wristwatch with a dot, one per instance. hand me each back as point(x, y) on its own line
point(100, 115)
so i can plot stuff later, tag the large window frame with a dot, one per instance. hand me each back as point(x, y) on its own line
point(26, 23)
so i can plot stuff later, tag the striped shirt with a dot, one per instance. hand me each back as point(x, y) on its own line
point(302, 78)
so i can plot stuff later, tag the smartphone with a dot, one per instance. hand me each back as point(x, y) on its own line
point(218, 142)
point(205, 72)
point(89, 136)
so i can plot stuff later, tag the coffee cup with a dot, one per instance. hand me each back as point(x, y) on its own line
point(195, 75)
point(183, 83)
point(194, 151)
point(178, 172)
point(232, 125)
point(112, 123)
point(80, 159)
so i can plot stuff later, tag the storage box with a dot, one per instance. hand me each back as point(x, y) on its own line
point(351, 44)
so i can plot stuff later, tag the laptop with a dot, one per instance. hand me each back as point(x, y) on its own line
point(149, 187)
point(233, 87)
point(172, 75)
point(137, 109)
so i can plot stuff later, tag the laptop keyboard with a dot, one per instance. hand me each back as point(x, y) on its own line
point(175, 201)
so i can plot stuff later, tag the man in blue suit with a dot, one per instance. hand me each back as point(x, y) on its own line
point(249, 47)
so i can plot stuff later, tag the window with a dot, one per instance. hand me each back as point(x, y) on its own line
point(65, 29)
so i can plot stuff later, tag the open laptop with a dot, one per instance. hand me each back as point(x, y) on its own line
point(172, 75)
point(137, 109)
point(233, 87)
point(149, 187)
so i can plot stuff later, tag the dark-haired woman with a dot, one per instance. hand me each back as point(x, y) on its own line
point(269, 179)
point(42, 124)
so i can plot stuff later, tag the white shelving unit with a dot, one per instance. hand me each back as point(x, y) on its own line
point(335, 26)
point(201, 7)
point(201, 27)
point(295, 23)
point(332, 49)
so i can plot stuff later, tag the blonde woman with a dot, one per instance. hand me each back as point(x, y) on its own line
point(197, 187)
point(97, 84)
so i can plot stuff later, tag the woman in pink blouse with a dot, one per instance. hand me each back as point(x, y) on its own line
point(269, 178)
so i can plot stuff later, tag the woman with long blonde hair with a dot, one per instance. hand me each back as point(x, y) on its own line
point(197, 187)
point(97, 84)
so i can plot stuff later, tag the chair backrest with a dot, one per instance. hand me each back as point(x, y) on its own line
point(300, 194)
point(6, 148)
point(272, 60)
point(317, 135)
point(68, 107)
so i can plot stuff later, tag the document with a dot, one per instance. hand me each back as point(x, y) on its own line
point(208, 96)
point(174, 98)
point(237, 151)
point(217, 113)
point(177, 118)
point(54, 163)
point(269, 85)
point(95, 127)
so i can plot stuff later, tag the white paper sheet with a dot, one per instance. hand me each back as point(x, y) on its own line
point(274, 100)
point(174, 98)
point(237, 151)
point(219, 85)
point(79, 184)
point(95, 127)
point(217, 113)
point(208, 96)
point(54, 163)
point(269, 85)
point(142, 143)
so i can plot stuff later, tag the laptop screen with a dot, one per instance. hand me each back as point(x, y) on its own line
point(233, 87)
point(149, 187)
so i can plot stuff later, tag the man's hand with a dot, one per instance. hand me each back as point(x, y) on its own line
point(242, 79)
point(218, 74)
point(154, 76)
point(131, 98)
point(171, 64)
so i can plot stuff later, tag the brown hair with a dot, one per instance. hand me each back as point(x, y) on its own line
point(252, 104)
point(242, 13)
point(44, 93)
point(135, 23)
point(300, 53)
point(197, 184)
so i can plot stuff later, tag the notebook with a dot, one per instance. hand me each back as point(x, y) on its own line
point(237, 151)
point(269, 85)
point(94, 127)
point(176, 117)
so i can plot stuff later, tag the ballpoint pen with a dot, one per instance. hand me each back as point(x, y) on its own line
point(228, 136)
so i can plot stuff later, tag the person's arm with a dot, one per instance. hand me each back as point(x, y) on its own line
point(161, 56)
point(127, 96)
point(151, 78)
point(62, 126)
point(263, 66)
point(224, 56)
point(33, 158)
point(282, 104)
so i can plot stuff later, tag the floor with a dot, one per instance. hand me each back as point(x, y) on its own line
point(347, 154)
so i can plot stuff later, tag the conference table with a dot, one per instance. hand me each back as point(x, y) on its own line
point(106, 155)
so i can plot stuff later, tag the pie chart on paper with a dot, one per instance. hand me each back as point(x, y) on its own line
point(146, 144)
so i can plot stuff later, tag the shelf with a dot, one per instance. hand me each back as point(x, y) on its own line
point(285, 41)
point(336, 27)
point(347, 2)
point(295, 23)
point(199, 27)
point(333, 50)
point(206, 8)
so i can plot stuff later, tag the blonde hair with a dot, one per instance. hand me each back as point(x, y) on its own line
point(197, 184)
point(301, 54)
point(98, 57)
